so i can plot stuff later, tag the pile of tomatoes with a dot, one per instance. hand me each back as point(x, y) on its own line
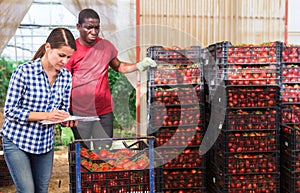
point(122, 159)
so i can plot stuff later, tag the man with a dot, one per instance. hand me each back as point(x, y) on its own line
point(89, 66)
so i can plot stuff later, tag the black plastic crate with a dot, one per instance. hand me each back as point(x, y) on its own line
point(162, 96)
point(255, 75)
point(244, 65)
point(119, 169)
point(248, 142)
point(291, 73)
point(248, 164)
point(290, 137)
point(290, 54)
point(180, 116)
point(252, 120)
point(244, 97)
point(263, 182)
point(182, 158)
point(246, 75)
point(174, 75)
point(290, 94)
point(213, 73)
point(289, 182)
point(226, 53)
point(193, 54)
point(181, 136)
point(190, 190)
point(111, 181)
point(290, 160)
point(186, 180)
point(5, 177)
point(211, 175)
point(175, 67)
point(290, 114)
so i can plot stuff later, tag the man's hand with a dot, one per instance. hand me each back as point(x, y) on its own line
point(143, 65)
point(66, 135)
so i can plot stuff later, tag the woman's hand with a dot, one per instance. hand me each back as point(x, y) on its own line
point(57, 115)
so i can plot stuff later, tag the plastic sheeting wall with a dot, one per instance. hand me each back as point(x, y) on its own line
point(190, 22)
point(11, 14)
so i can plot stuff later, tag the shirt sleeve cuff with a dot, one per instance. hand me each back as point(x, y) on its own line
point(23, 116)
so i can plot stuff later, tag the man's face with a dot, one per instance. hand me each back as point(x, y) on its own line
point(89, 31)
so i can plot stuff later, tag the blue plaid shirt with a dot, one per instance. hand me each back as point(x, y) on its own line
point(29, 91)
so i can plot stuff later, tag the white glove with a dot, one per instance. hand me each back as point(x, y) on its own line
point(145, 63)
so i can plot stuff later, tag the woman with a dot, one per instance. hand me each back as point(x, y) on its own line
point(38, 90)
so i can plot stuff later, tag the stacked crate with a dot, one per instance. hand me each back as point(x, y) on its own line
point(5, 177)
point(290, 133)
point(129, 165)
point(246, 154)
point(176, 117)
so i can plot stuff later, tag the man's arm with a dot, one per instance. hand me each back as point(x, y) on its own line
point(122, 67)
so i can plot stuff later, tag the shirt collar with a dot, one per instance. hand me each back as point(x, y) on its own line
point(40, 69)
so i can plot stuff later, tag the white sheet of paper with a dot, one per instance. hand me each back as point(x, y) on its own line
point(72, 118)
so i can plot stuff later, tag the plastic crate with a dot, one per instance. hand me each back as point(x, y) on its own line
point(188, 158)
point(248, 142)
point(290, 54)
point(184, 169)
point(181, 157)
point(244, 65)
point(290, 114)
point(190, 115)
point(249, 120)
point(290, 137)
point(212, 173)
point(162, 96)
point(290, 94)
point(116, 169)
point(5, 177)
point(291, 73)
point(252, 97)
point(175, 67)
point(174, 76)
point(194, 54)
point(289, 182)
point(187, 180)
point(290, 160)
point(226, 53)
point(245, 164)
point(253, 75)
point(213, 74)
point(179, 137)
point(263, 182)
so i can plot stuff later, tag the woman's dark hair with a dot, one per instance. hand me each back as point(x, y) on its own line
point(57, 38)
point(87, 13)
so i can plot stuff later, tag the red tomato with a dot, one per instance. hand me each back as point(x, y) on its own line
point(103, 153)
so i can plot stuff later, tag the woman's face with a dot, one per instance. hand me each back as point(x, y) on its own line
point(59, 57)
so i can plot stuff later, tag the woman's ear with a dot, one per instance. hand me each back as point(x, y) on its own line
point(47, 46)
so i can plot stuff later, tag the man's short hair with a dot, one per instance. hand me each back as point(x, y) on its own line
point(87, 13)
